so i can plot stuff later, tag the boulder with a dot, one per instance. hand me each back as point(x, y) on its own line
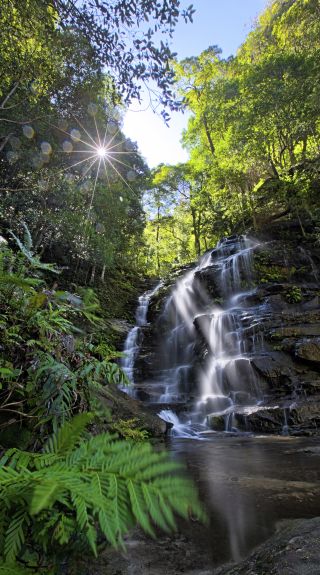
point(264, 420)
point(216, 422)
point(308, 350)
point(208, 277)
point(293, 550)
point(124, 407)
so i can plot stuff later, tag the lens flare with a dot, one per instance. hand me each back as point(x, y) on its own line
point(101, 157)
point(102, 152)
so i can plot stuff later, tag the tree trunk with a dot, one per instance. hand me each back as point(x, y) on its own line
point(253, 211)
point(197, 246)
point(207, 131)
point(157, 240)
point(93, 273)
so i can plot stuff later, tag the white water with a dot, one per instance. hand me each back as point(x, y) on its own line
point(132, 342)
point(180, 429)
point(225, 380)
point(187, 300)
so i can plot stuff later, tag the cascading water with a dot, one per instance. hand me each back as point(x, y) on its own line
point(210, 389)
point(132, 342)
point(187, 300)
point(225, 379)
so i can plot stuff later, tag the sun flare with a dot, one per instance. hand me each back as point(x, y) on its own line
point(102, 152)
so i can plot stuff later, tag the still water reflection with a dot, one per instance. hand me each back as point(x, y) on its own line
point(248, 484)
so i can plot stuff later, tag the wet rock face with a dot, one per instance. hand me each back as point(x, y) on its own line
point(287, 314)
point(208, 277)
point(280, 325)
point(293, 550)
point(124, 407)
point(302, 418)
point(309, 350)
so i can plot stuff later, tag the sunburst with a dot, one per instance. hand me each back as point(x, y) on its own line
point(101, 155)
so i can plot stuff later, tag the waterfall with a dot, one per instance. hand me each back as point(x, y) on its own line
point(186, 301)
point(207, 305)
point(132, 343)
point(226, 378)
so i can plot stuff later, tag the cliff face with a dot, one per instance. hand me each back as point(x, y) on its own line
point(281, 303)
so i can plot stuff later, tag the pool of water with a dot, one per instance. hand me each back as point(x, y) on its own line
point(249, 484)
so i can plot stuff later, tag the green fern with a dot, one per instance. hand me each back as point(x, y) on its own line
point(55, 385)
point(26, 249)
point(90, 305)
point(98, 372)
point(77, 483)
point(15, 534)
point(130, 429)
point(18, 281)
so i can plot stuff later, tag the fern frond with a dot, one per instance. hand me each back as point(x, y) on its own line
point(74, 486)
point(27, 238)
point(62, 443)
point(15, 535)
point(139, 508)
point(81, 510)
point(64, 529)
point(44, 494)
point(165, 520)
point(120, 507)
point(17, 459)
point(91, 536)
point(15, 280)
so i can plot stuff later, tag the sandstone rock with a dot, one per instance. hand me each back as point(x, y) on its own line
point(264, 420)
point(124, 407)
point(275, 372)
point(308, 350)
point(300, 418)
point(296, 331)
point(216, 422)
point(293, 550)
point(208, 277)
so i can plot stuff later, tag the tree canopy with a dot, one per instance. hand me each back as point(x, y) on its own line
point(253, 134)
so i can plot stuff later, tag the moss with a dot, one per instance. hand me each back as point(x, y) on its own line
point(294, 295)
point(266, 273)
point(277, 347)
point(130, 429)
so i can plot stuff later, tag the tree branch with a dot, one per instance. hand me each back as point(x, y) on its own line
point(8, 96)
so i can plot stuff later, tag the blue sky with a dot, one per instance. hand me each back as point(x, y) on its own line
point(222, 22)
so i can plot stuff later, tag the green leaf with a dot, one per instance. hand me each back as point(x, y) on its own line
point(44, 495)
point(15, 535)
point(68, 435)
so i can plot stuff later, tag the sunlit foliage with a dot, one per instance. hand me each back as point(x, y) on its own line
point(253, 136)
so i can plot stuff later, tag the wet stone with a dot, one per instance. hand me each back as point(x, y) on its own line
point(308, 350)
